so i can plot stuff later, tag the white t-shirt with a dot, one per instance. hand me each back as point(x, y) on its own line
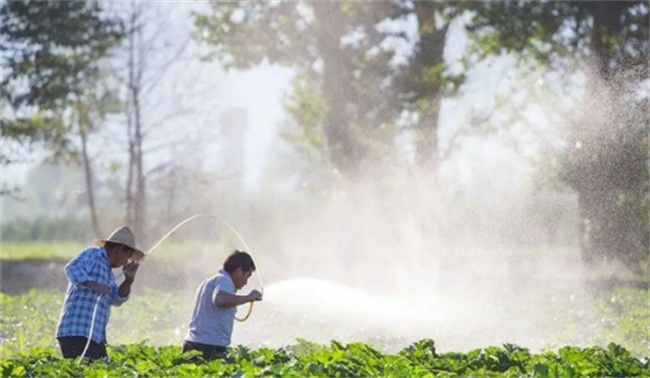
point(210, 324)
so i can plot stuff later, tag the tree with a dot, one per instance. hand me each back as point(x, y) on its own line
point(342, 91)
point(48, 48)
point(50, 59)
point(352, 85)
point(151, 52)
point(425, 80)
point(96, 102)
point(606, 160)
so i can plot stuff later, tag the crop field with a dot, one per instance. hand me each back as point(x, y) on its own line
point(306, 359)
point(145, 337)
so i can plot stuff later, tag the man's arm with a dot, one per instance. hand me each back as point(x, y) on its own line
point(125, 288)
point(94, 286)
point(226, 300)
point(124, 291)
point(121, 294)
point(77, 272)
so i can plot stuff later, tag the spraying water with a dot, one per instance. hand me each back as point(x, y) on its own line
point(321, 311)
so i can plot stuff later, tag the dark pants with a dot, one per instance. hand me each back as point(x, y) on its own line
point(73, 347)
point(210, 352)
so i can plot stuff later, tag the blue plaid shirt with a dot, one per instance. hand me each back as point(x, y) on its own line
point(90, 265)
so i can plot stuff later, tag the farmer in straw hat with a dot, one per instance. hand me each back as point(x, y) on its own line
point(90, 275)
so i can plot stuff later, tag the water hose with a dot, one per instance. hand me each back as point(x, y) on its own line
point(185, 221)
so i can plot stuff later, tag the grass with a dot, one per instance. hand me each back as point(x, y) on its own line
point(39, 250)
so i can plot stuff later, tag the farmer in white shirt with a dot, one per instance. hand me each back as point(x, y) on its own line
point(212, 322)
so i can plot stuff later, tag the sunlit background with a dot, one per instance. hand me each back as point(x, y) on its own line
point(471, 172)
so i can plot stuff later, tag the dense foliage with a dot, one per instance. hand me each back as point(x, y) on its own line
point(338, 360)
point(44, 72)
point(605, 157)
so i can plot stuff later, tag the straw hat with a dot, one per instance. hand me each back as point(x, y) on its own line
point(124, 236)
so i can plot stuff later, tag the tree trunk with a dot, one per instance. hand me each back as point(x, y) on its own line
point(429, 54)
point(345, 153)
point(609, 174)
point(140, 204)
point(130, 209)
point(594, 212)
point(135, 189)
point(88, 173)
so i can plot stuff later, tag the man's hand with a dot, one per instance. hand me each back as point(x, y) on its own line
point(255, 295)
point(97, 287)
point(130, 269)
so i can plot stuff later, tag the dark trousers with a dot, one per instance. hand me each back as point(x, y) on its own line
point(210, 352)
point(73, 347)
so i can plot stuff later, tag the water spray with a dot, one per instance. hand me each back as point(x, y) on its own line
point(187, 220)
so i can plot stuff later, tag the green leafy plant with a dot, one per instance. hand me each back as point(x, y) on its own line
point(336, 360)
